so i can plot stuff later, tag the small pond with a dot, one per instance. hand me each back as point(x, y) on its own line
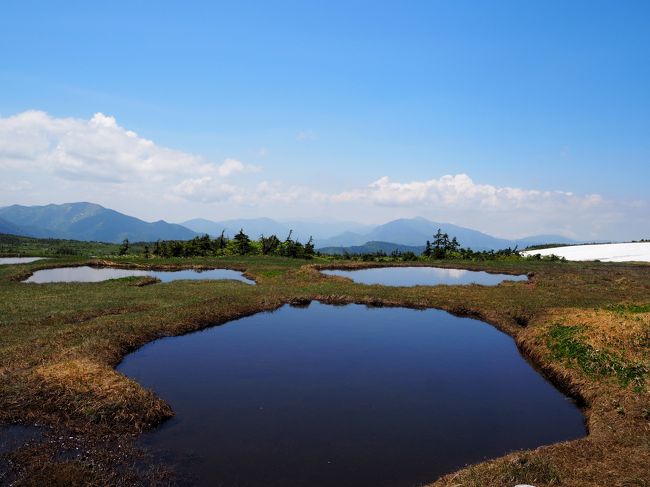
point(18, 260)
point(423, 276)
point(97, 274)
point(345, 395)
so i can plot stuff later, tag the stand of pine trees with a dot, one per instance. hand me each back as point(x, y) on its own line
point(240, 244)
point(440, 248)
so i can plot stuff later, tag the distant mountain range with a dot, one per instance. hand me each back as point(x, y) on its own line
point(8, 227)
point(254, 227)
point(85, 221)
point(416, 231)
point(88, 221)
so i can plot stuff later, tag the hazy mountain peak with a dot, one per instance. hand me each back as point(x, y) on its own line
point(88, 221)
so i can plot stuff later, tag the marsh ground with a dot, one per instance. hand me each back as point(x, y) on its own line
point(586, 326)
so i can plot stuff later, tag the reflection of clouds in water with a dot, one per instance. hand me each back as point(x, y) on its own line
point(82, 274)
point(423, 276)
point(94, 274)
point(449, 273)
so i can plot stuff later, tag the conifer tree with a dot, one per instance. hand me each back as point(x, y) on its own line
point(124, 249)
point(242, 243)
point(221, 241)
point(309, 248)
point(427, 249)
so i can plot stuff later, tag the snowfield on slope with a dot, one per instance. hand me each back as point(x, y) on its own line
point(619, 252)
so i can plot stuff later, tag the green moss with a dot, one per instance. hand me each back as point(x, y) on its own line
point(628, 308)
point(566, 344)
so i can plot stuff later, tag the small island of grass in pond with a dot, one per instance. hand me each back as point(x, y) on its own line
point(423, 276)
point(345, 396)
point(98, 274)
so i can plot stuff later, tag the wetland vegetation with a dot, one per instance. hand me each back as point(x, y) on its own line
point(585, 326)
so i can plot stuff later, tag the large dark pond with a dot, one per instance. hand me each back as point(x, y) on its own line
point(345, 396)
point(18, 260)
point(97, 274)
point(423, 276)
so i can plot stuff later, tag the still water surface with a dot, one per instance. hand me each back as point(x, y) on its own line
point(97, 274)
point(346, 396)
point(18, 260)
point(423, 276)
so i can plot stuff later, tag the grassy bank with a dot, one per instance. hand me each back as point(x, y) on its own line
point(586, 326)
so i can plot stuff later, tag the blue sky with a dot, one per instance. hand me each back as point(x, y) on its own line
point(316, 100)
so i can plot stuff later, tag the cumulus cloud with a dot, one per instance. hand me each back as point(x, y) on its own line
point(233, 166)
point(460, 191)
point(97, 149)
point(49, 159)
point(210, 189)
point(204, 190)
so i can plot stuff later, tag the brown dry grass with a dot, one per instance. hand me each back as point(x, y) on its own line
point(59, 344)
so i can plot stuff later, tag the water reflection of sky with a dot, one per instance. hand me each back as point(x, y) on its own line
point(423, 276)
point(98, 274)
point(345, 396)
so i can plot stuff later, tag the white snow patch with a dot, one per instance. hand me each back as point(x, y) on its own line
point(619, 252)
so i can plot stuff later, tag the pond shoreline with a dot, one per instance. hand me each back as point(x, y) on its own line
point(296, 347)
point(477, 303)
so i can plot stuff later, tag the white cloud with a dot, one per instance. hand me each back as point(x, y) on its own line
point(204, 190)
point(276, 192)
point(18, 185)
point(47, 159)
point(233, 166)
point(97, 150)
point(460, 191)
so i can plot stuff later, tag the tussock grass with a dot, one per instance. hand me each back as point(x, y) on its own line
point(59, 344)
point(518, 469)
point(82, 392)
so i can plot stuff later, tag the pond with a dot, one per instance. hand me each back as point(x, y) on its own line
point(345, 395)
point(423, 276)
point(97, 274)
point(18, 260)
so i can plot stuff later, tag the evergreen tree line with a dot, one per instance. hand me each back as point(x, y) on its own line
point(440, 247)
point(240, 244)
point(443, 247)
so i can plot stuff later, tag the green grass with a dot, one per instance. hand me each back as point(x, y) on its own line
point(628, 308)
point(59, 342)
point(17, 246)
point(565, 344)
